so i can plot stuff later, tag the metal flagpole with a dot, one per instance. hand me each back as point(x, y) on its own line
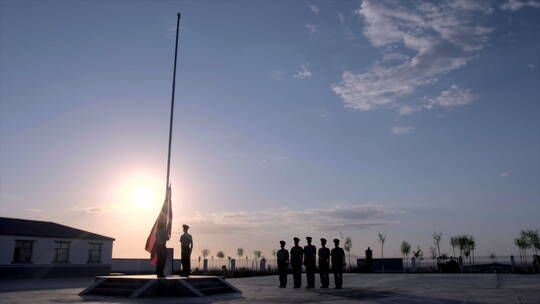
point(172, 103)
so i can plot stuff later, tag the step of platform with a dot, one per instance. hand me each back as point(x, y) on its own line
point(145, 286)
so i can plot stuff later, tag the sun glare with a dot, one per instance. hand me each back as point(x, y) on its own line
point(143, 196)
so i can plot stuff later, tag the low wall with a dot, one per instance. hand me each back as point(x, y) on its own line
point(32, 271)
point(138, 266)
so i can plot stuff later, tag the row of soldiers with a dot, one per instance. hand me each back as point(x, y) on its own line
point(307, 257)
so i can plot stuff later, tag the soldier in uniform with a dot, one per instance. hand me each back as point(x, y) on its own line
point(310, 258)
point(186, 245)
point(338, 260)
point(324, 264)
point(297, 255)
point(283, 264)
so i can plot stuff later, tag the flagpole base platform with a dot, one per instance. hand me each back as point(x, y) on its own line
point(137, 286)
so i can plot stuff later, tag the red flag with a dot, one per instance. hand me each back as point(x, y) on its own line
point(164, 220)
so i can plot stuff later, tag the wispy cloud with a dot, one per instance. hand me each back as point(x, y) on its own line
point(514, 5)
point(312, 28)
point(507, 173)
point(440, 37)
point(304, 73)
point(340, 217)
point(455, 96)
point(33, 210)
point(313, 8)
point(531, 66)
point(401, 130)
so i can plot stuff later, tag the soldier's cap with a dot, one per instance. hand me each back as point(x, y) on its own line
point(296, 239)
point(308, 238)
point(323, 240)
point(185, 226)
point(336, 240)
point(282, 242)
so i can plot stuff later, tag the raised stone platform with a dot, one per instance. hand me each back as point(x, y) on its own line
point(136, 286)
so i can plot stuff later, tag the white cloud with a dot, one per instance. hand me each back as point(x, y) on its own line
point(441, 37)
point(455, 96)
point(304, 73)
point(314, 8)
point(311, 28)
point(33, 210)
point(507, 173)
point(514, 5)
point(401, 130)
point(341, 217)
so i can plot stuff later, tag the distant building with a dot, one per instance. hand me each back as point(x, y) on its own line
point(33, 249)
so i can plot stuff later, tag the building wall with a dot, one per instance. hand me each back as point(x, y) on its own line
point(43, 254)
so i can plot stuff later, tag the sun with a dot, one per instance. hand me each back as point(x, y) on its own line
point(142, 196)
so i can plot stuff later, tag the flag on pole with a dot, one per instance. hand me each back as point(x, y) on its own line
point(164, 221)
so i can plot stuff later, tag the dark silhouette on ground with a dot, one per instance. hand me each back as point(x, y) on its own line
point(369, 260)
point(310, 257)
point(324, 264)
point(297, 256)
point(283, 264)
point(338, 261)
point(186, 245)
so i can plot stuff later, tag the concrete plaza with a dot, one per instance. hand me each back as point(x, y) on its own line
point(358, 288)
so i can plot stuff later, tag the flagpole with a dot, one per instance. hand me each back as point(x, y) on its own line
point(172, 103)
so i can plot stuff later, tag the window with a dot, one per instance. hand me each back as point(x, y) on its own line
point(61, 252)
point(23, 251)
point(94, 253)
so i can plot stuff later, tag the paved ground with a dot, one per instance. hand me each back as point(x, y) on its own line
point(358, 288)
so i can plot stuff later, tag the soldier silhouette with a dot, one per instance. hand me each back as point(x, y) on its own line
point(310, 258)
point(186, 245)
point(338, 260)
point(297, 255)
point(324, 264)
point(283, 264)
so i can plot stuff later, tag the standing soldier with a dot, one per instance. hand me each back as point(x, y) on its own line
point(310, 257)
point(186, 245)
point(283, 264)
point(338, 260)
point(324, 264)
point(297, 255)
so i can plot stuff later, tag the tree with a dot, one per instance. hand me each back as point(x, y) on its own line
point(418, 255)
point(240, 253)
point(257, 254)
point(205, 253)
point(347, 246)
point(382, 239)
point(220, 254)
point(433, 252)
point(454, 243)
point(522, 245)
point(472, 246)
point(437, 238)
point(531, 236)
point(405, 250)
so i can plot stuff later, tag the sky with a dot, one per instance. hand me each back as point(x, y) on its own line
point(292, 118)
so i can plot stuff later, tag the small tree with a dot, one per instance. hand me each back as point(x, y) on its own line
point(531, 236)
point(437, 238)
point(257, 254)
point(205, 253)
point(433, 252)
point(454, 243)
point(418, 255)
point(405, 250)
point(347, 246)
point(220, 254)
point(382, 239)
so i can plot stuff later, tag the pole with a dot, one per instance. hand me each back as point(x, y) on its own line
point(172, 103)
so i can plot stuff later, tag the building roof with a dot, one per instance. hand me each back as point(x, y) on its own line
point(13, 226)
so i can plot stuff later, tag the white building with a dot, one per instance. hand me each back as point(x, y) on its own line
point(31, 249)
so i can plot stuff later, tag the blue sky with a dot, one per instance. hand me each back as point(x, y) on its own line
point(292, 118)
